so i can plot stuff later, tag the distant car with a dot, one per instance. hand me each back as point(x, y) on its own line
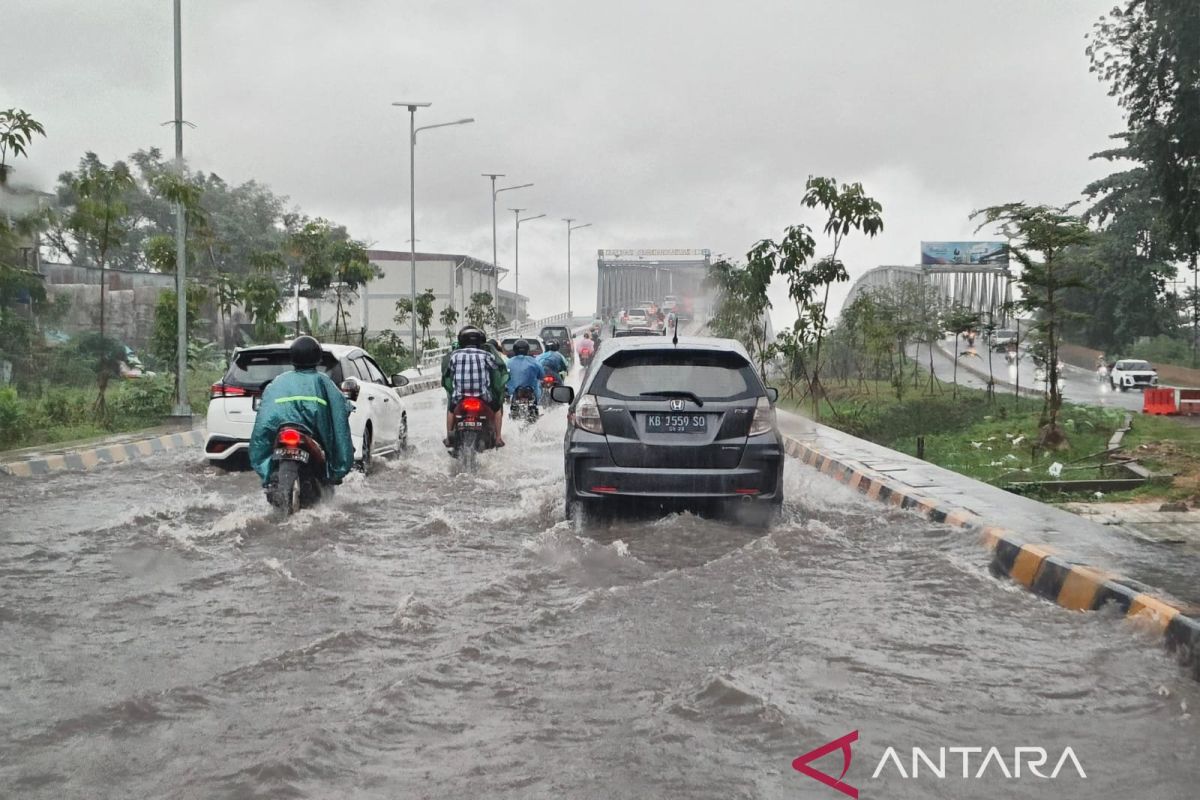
point(1001, 339)
point(378, 424)
point(536, 347)
point(689, 424)
point(560, 334)
point(637, 332)
point(637, 318)
point(669, 302)
point(1132, 374)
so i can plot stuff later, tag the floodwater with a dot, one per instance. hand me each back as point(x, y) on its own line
point(428, 634)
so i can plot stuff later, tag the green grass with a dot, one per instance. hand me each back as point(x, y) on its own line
point(51, 414)
point(993, 440)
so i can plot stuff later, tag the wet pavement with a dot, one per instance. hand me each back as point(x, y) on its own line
point(432, 634)
point(1078, 385)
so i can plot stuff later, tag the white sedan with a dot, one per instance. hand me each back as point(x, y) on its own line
point(378, 424)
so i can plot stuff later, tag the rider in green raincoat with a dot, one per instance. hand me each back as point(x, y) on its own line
point(311, 399)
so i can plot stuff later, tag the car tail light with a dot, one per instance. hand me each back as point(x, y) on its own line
point(224, 390)
point(763, 420)
point(587, 415)
point(289, 437)
point(548, 379)
point(472, 404)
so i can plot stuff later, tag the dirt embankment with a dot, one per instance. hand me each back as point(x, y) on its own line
point(1168, 374)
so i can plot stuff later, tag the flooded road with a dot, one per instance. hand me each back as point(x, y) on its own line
point(437, 635)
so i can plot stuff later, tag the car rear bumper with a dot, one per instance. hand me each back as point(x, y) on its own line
point(592, 475)
point(218, 447)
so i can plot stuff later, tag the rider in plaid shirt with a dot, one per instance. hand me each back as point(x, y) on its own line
point(471, 368)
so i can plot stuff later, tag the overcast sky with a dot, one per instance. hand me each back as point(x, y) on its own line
point(665, 123)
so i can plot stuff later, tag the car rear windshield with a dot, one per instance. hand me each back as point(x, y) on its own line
point(535, 347)
point(554, 333)
point(707, 374)
point(256, 367)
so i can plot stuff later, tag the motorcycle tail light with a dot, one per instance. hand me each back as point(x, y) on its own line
point(587, 415)
point(472, 404)
point(548, 379)
point(289, 437)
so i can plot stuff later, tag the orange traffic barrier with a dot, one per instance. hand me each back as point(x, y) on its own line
point(1159, 401)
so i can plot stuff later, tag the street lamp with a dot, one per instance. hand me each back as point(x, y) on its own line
point(570, 228)
point(495, 191)
point(412, 107)
point(517, 254)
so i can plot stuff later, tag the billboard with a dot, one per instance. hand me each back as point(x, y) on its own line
point(978, 253)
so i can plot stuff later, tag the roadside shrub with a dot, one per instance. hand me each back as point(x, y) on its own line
point(12, 415)
point(1164, 350)
point(144, 399)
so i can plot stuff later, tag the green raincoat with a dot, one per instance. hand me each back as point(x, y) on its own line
point(309, 398)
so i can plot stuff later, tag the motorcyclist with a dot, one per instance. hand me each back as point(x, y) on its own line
point(309, 398)
point(552, 361)
point(524, 370)
point(586, 346)
point(473, 371)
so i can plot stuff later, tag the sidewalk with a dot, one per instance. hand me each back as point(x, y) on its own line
point(1067, 559)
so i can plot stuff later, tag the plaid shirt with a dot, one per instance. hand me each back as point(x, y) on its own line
point(472, 370)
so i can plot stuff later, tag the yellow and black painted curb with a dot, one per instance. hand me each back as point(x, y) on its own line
point(1038, 567)
point(89, 457)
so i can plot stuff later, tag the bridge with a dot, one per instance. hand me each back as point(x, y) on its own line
point(982, 288)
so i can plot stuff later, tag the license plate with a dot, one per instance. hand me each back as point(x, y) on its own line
point(292, 454)
point(676, 423)
point(471, 423)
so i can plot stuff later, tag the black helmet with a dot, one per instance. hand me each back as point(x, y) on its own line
point(552, 344)
point(521, 347)
point(306, 352)
point(470, 336)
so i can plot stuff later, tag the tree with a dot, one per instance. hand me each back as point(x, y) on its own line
point(448, 317)
point(1148, 52)
point(261, 295)
point(481, 313)
point(164, 341)
point(17, 129)
point(959, 320)
point(425, 312)
point(742, 302)
point(330, 261)
point(107, 354)
point(1048, 232)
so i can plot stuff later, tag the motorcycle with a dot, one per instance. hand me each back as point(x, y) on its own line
point(548, 383)
point(585, 358)
point(474, 431)
point(523, 407)
point(297, 470)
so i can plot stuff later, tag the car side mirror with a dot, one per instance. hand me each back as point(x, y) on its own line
point(399, 380)
point(772, 394)
point(562, 394)
point(350, 388)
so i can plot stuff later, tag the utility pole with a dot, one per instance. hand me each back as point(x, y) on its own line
point(570, 228)
point(182, 409)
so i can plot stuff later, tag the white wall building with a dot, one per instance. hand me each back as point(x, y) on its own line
point(453, 279)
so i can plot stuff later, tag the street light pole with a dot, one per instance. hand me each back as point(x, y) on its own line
point(412, 204)
point(182, 409)
point(495, 264)
point(570, 228)
point(517, 253)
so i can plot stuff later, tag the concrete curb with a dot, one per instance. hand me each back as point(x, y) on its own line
point(93, 455)
point(89, 457)
point(1039, 568)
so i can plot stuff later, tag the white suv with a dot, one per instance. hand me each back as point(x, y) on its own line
point(1129, 373)
point(378, 424)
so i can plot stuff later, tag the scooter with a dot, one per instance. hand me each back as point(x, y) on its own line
point(523, 407)
point(548, 383)
point(474, 431)
point(297, 470)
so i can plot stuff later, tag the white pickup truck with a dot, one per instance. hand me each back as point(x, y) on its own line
point(1131, 373)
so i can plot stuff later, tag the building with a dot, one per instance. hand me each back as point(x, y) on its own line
point(453, 279)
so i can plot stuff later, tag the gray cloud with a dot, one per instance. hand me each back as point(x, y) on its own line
point(680, 124)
